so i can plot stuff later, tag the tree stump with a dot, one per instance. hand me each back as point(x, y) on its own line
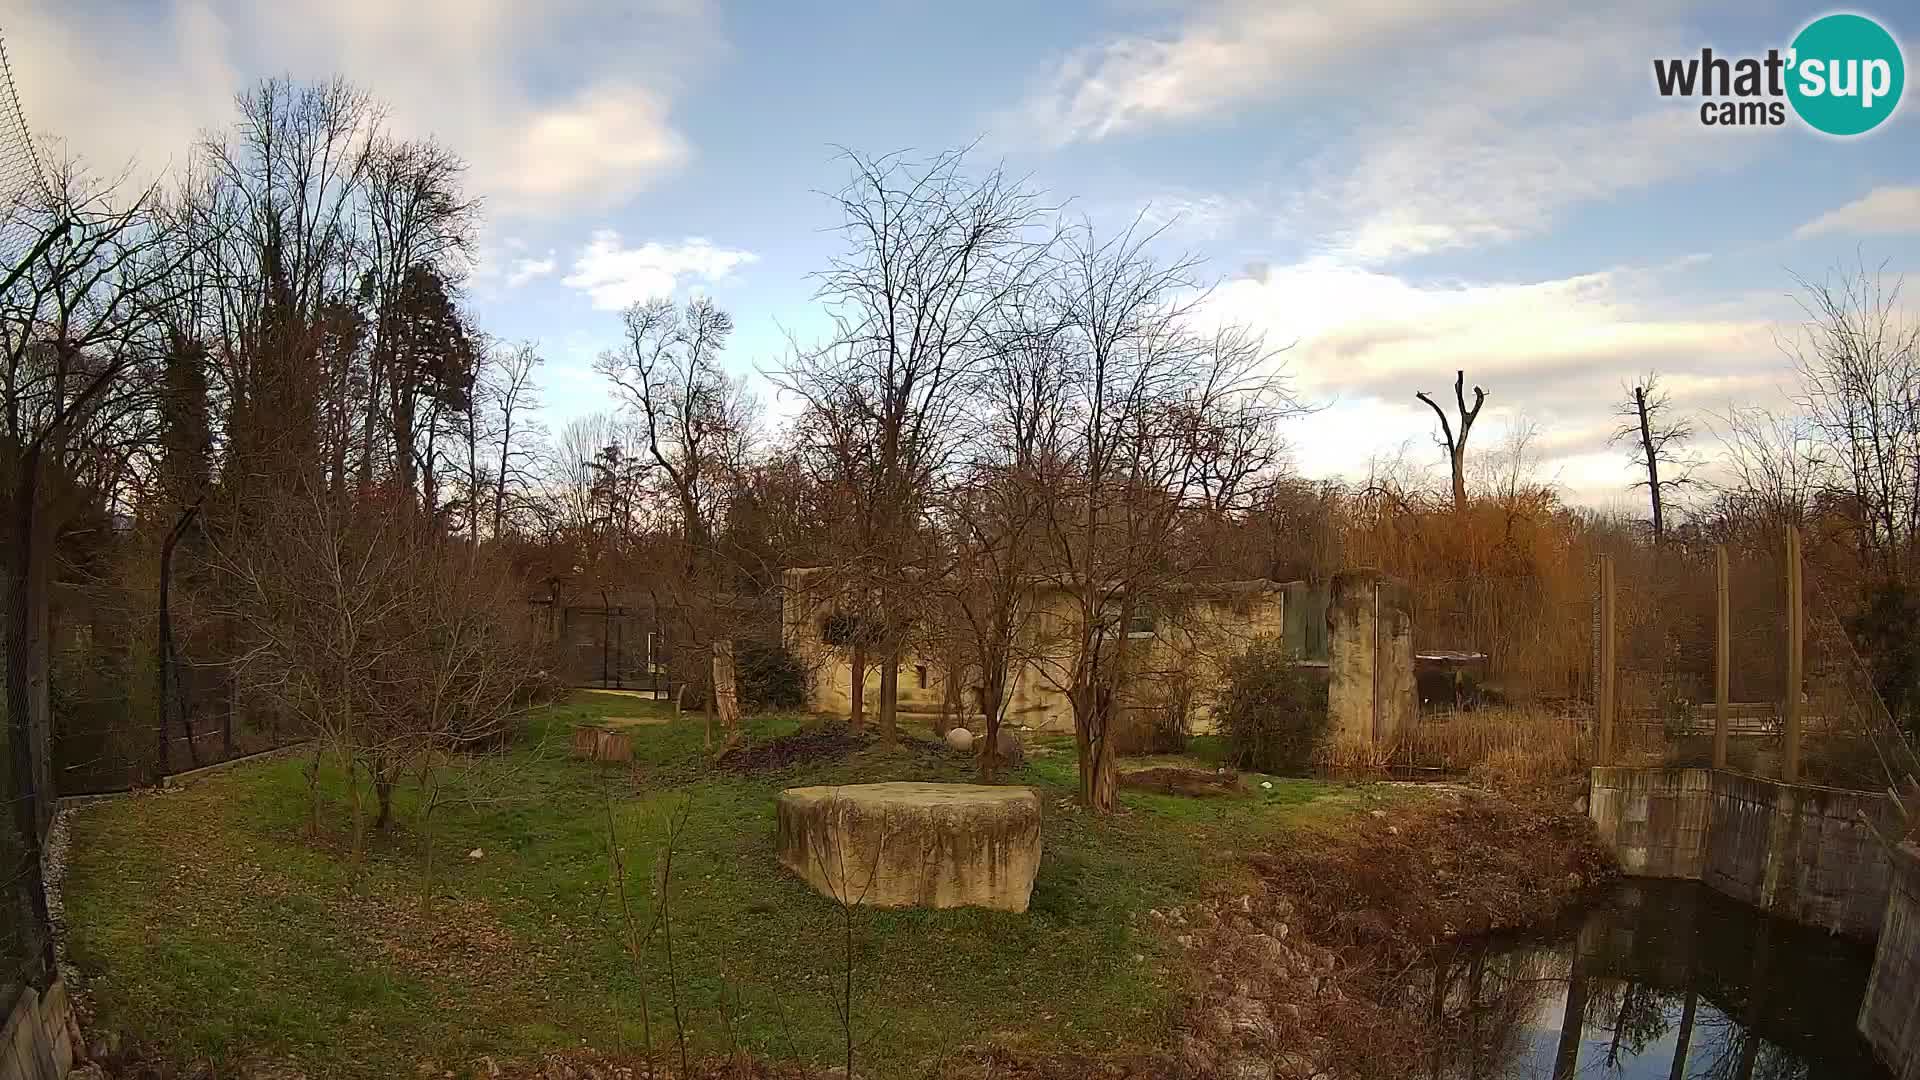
point(913, 845)
point(615, 746)
point(586, 741)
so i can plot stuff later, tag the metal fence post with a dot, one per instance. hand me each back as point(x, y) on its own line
point(1606, 695)
point(1796, 660)
point(1722, 656)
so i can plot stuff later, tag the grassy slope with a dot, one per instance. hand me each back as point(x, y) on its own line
point(210, 927)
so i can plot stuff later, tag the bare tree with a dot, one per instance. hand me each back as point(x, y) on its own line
point(508, 394)
point(281, 204)
point(1456, 445)
point(1773, 465)
point(1858, 355)
point(384, 638)
point(996, 507)
point(696, 425)
point(930, 256)
point(1657, 440)
point(1161, 426)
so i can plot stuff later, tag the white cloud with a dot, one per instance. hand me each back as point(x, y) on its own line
point(556, 106)
point(1464, 177)
point(1882, 210)
point(525, 270)
point(1555, 352)
point(1227, 53)
point(615, 276)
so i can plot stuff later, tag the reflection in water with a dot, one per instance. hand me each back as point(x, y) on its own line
point(1667, 980)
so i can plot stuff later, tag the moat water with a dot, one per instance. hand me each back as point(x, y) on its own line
point(1662, 979)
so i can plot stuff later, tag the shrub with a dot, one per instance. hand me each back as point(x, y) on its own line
point(769, 677)
point(1274, 712)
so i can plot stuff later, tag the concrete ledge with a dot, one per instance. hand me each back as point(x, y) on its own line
point(182, 779)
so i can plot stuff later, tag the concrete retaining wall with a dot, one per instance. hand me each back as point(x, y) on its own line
point(1654, 820)
point(1890, 1014)
point(37, 1042)
point(1797, 851)
point(1800, 852)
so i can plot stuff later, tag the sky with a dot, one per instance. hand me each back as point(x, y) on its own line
point(1389, 189)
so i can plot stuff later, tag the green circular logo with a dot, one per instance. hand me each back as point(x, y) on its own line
point(1846, 74)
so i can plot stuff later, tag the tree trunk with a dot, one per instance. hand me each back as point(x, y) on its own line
point(992, 705)
point(1458, 460)
point(383, 790)
point(165, 653)
point(1685, 1037)
point(1566, 1058)
point(857, 688)
point(889, 696)
point(1093, 706)
point(1653, 464)
point(726, 693)
point(949, 715)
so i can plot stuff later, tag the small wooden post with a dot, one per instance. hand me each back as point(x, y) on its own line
point(1606, 696)
point(1796, 660)
point(1722, 656)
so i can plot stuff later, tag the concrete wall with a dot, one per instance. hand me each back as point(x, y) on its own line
point(1195, 630)
point(1890, 1014)
point(1797, 851)
point(1655, 820)
point(1800, 852)
point(1371, 696)
point(37, 1042)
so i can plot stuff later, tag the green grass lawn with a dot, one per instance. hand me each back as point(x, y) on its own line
point(210, 927)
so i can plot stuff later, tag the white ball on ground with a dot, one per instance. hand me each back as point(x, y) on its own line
point(960, 739)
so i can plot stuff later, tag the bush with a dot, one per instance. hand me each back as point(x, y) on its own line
point(768, 677)
point(1274, 711)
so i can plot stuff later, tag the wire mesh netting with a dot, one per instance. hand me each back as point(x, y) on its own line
point(25, 929)
point(1667, 632)
point(1503, 672)
point(21, 180)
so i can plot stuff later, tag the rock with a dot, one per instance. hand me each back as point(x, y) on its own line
point(1244, 1021)
point(912, 844)
point(476, 853)
point(1246, 1067)
point(960, 739)
point(1013, 753)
